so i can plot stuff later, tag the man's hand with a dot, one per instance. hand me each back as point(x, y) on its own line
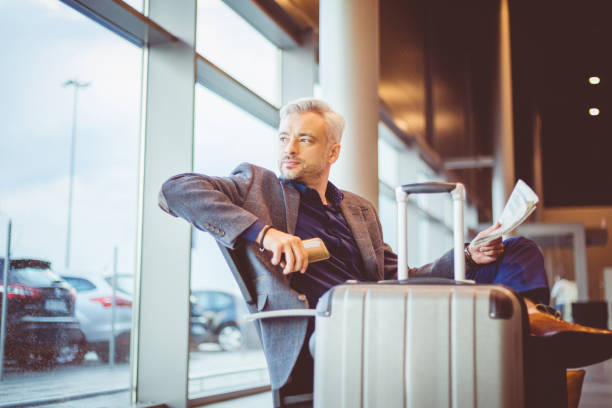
point(280, 243)
point(489, 252)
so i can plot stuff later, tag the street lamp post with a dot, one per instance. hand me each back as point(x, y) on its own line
point(77, 85)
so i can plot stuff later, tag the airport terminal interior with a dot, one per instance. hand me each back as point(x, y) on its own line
point(107, 301)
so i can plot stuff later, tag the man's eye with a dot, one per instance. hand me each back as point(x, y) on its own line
point(305, 140)
point(282, 139)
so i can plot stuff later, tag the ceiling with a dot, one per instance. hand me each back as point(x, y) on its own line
point(557, 46)
point(437, 78)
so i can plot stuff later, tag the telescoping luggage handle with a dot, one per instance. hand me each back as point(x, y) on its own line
point(457, 192)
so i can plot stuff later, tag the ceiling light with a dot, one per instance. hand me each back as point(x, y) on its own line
point(593, 111)
point(594, 80)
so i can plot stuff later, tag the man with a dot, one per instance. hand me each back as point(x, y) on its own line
point(264, 218)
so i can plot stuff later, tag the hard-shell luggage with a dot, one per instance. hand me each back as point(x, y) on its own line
point(420, 343)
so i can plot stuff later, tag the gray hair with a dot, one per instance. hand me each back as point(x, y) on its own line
point(333, 120)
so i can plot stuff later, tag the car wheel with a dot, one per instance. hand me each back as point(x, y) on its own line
point(73, 353)
point(230, 338)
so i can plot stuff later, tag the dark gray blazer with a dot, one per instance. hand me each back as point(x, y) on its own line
point(227, 206)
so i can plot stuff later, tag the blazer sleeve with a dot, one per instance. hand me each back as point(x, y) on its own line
point(212, 204)
point(390, 263)
point(442, 267)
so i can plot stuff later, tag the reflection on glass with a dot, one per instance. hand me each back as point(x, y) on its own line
point(559, 265)
point(137, 4)
point(388, 158)
point(236, 47)
point(225, 351)
point(387, 210)
point(46, 44)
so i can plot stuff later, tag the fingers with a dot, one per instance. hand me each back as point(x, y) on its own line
point(276, 254)
point(494, 226)
point(289, 260)
point(493, 253)
point(290, 248)
point(495, 244)
point(487, 231)
point(486, 254)
point(301, 256)
point(296, 257)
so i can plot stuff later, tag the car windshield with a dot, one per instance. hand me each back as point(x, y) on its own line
point(36, 277)
point(213, 300)
point(79, 284)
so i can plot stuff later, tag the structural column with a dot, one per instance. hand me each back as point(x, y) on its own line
point(160, 338)
point(348, 72)
point(298, 70)
point(503, 168)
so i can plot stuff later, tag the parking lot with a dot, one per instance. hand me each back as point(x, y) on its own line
point(210, 371)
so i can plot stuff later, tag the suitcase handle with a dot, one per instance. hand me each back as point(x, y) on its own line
point(428, 188)
point(280, 313)
point(457, 192)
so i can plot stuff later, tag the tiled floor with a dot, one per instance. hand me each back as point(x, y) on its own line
point(263, 400)
point(596, 391)
point(597, 388)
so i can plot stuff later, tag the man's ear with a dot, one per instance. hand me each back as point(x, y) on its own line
point(334, 153)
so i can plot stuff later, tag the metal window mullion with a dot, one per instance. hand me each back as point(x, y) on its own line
point(223, 84)
point(270, 19)
point(123, 20)
point(160, 341)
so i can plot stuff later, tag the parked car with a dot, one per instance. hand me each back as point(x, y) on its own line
point(213, 316)
point(220, 310)
point(197, 323)
point(42, 329)
point(94, 312)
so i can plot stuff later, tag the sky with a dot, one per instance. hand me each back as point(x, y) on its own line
point(47, 43)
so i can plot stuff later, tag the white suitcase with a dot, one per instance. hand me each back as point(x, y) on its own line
point(426, 343)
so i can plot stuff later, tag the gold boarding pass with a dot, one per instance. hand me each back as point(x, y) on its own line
point(316, 250)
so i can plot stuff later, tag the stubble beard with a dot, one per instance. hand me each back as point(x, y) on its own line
point(304, 173)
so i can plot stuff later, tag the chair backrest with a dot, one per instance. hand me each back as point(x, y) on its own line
point(233, 261)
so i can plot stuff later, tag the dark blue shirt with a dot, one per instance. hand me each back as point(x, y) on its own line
point(328, 223)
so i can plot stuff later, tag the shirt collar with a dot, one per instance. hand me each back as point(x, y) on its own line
point(333, 194)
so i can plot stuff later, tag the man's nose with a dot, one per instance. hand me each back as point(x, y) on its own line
point(292, 146)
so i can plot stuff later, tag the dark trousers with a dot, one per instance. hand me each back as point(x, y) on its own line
point(300, 383)
point(521, 268)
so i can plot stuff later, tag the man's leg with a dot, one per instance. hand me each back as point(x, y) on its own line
point(520, 268)
point(300, 384)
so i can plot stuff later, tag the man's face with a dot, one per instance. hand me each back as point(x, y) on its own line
point(304, 152)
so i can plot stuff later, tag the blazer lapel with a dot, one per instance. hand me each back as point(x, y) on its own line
point(356, 221)
point(292, 206)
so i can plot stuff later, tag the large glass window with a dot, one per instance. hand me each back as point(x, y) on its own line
point(137, 4)
point(69, 110)
point(232, 44)
point(388, 165)
point(387, 209)
point(225, 351)
point(430, 217)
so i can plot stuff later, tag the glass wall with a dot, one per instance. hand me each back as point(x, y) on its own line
point(69, 109)
point(227, 355)
point(229, 42)
point(430, 217)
